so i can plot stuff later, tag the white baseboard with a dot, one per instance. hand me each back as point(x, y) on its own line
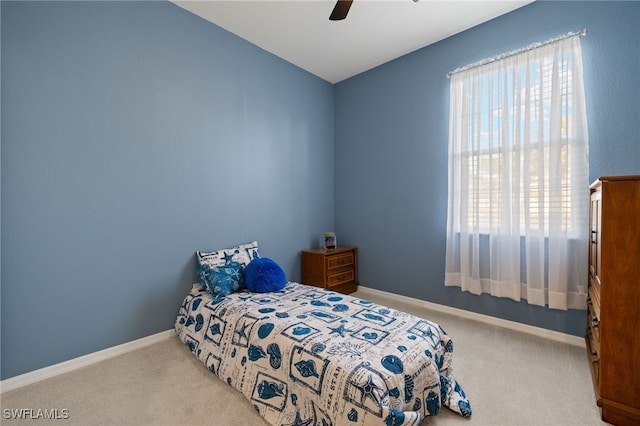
point(511, 325)
point(83, 361)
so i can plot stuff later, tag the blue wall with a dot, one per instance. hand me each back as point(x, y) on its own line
point(134, 134)
point(391, 145)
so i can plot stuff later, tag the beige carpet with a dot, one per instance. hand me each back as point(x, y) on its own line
point(510, 378)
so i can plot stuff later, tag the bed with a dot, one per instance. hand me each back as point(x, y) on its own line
point(306, 356)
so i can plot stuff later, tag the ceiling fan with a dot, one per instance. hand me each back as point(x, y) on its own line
point(341, 9)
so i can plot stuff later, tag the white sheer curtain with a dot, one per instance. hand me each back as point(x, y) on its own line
point(517, 223)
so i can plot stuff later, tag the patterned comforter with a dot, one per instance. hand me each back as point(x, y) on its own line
point(306, 356)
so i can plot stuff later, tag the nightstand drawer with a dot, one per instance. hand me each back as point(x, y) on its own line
point(340, 278)
point(339, 260)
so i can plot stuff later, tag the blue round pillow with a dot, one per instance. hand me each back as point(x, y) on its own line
point(263, 275)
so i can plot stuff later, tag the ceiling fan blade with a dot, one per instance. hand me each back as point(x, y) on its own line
point(340, 10)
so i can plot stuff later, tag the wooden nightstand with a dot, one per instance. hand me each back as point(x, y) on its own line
point(335, 270)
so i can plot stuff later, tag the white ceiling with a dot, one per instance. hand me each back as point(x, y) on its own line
point(374, 32)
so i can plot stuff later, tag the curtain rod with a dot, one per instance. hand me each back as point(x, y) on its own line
point(583, 32)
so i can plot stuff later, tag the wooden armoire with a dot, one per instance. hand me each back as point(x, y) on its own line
point(613, 325)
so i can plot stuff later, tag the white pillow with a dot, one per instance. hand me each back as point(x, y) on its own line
point(242, 254)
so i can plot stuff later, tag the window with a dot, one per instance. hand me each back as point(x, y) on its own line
point(518, 175)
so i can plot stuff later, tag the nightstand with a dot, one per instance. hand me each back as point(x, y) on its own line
point(335, 270)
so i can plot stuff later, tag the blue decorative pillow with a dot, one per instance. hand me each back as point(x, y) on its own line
point(263, 275)
point(221, 280)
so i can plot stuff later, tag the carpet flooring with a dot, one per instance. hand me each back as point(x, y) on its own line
point(511, 378)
